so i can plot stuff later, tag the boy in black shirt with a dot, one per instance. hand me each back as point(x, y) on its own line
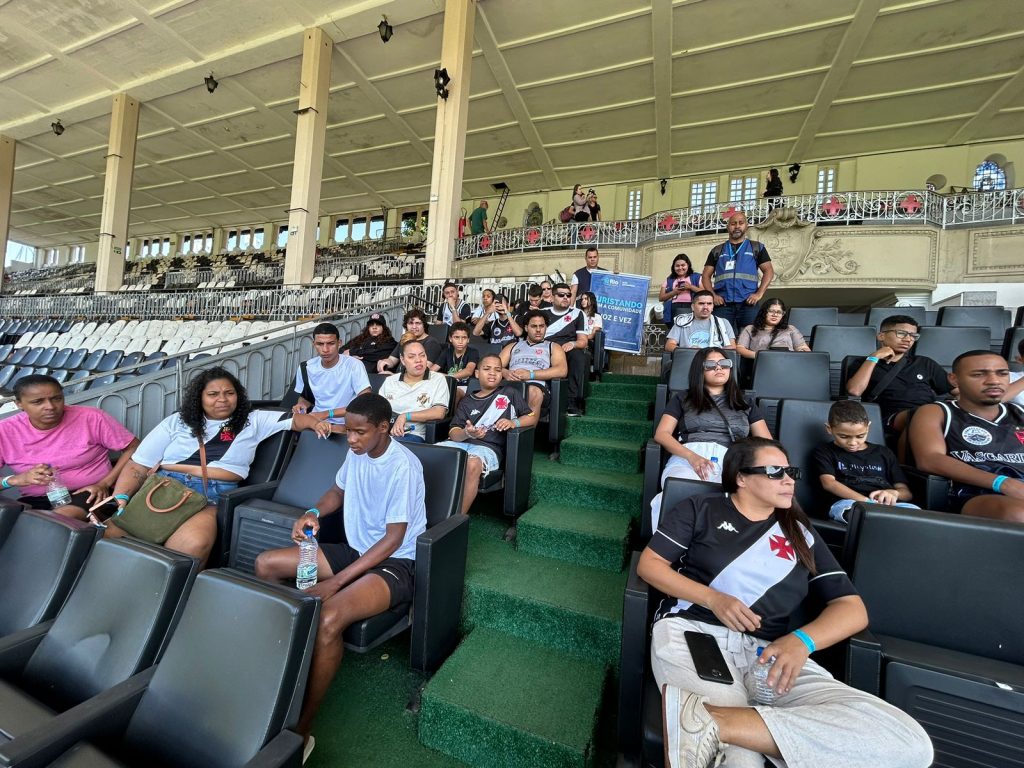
point(485, 416)
point(459, 359)
point(851, 469)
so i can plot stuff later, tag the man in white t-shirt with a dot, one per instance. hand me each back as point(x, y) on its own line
point(700, 329)
point(329, 381)
point(380, 488)
point(416, 395)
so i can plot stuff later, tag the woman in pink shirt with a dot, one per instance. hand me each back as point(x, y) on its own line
point(70, 442)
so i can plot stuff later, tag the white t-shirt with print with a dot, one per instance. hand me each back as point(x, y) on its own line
point(404, 397)
point(334, 387)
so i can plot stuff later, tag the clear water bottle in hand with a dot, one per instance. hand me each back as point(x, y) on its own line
point(763, 693)
point(715, 473)
point(57, 492)
point(305, 574)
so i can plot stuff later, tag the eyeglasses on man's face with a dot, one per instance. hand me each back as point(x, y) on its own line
point(773, 471)
point(905, 334)
point(563, 295)
point(714, 365)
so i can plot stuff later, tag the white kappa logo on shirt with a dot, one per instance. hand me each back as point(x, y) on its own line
point(727, 526)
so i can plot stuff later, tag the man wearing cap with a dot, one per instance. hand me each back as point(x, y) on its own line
point(327, 383)
point(731, 274)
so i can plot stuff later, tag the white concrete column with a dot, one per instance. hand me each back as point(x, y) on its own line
point(92, 251)
point(450, 138)
point(8, 147)
point(117, 193)
point(310, 133)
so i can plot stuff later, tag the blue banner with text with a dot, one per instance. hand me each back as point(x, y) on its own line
point(622, 302)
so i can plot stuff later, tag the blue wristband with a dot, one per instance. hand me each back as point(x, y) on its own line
point(6, 481)
point(804, 638)
point(123, 497)
point(998, 483)
point(330, 413)
point(315, 511)
point(872, 359)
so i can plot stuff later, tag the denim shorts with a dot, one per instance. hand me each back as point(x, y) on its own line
point(214, 488)
point(486, 455)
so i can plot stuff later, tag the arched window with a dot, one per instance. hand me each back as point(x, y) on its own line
point(989, 176)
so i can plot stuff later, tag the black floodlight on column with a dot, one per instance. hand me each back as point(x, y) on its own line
point(441, 81)
point(56, 127)
point(211, 83)
point(385, 29)
point(794, 171)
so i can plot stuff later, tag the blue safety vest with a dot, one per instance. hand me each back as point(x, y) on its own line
point(735, 276)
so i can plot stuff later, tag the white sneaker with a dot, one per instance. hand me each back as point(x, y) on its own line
point(307, 749)
point(691, 733)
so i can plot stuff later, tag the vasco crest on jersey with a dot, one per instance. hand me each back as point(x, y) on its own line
point(976, 435)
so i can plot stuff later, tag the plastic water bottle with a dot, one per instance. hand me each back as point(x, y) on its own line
point(57, 492)
point(763, 693)
point(305, 574)
point(715, 475)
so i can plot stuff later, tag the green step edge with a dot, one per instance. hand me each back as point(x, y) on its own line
point(575, 535)
point(612, 408)
point(595, 453)
point(593, 489)
point(574, 608)
point(502, 702)
point(610, 429)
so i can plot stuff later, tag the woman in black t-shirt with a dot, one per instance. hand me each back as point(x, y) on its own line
point(737, 567)
point(374, 344)
point(701, 423)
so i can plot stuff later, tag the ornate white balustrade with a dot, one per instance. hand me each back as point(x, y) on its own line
point(840, 208)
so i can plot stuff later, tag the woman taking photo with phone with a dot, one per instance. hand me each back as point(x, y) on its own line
point(764, 560)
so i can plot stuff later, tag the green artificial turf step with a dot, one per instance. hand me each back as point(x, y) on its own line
point(628, 378)
point(592, 489)
point(574, 608)
point(502, 702)
point(613, 408)
point(598, 453)
point(623, 391)
point(576, 535)
point(611, 429)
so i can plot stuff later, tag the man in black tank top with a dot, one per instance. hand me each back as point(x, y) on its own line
point(976, 441)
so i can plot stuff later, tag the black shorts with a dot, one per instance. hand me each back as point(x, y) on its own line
point(543, 387)
point(397, 572)
point(77, 500)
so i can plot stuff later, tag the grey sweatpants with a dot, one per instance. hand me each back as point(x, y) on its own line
point(820, 723)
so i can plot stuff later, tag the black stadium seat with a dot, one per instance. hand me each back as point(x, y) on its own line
point(944, 645)
point(39, 563)
point(60, 359)
point(805, 318)
point(6, 374)
point(838, 341)
point(75, 384)
point(45, 357)
point(18, 355)
point(777, 375)
point(515, 476)
point(133, 358)
point(74, 362)
point(18, 376)
point(57, 675)
point(943, 343)
point(61, 375)
point(877, 314)
point(1011, 340)
point(238, 658)
point(91, 363)
point(154, 361)
point(995, 319)
point(109, 361)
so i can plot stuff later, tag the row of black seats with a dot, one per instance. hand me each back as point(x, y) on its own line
point(16, 326)
point(995, 318)
point(94, 675)
point(943, 643)
point(70, 366)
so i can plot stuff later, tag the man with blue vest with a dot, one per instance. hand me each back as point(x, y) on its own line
point(731, 274)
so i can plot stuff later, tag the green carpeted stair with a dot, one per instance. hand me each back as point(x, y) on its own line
point(543, 616)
